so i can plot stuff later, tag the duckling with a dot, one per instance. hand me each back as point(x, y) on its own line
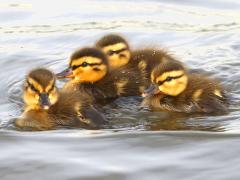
point(46, 107)
point(119, 54)
point(176, 90)
point(90, 73)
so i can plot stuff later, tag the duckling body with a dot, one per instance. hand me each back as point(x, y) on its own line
point(175, 90)
point(67, 110)
point(111, 84)
point(148, 59)
point(115, 84)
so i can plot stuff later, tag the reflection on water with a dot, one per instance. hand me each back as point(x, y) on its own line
point(83, 155)
point(203, 34)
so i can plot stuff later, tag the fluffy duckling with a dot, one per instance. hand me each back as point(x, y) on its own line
point(46, 107)
point(119, 54)
point(174, 89)
point(90, 73)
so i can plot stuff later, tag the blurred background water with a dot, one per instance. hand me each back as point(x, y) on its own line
point(142, 145)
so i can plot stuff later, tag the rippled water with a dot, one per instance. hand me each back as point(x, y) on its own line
point(142, 144)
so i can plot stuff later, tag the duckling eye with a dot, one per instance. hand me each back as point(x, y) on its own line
point(84, 64)
point(169, 78)
point(33, 88)
point(110, 53)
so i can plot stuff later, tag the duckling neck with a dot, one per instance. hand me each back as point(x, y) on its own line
point(33, 107)
point(88, 83)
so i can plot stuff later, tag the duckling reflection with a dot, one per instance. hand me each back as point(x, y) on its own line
point(47, 108)
point(90, 73)
point(181, 122)
point(176, 90)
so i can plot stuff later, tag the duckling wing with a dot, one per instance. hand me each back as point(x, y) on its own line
point(130, 81)
point(212, 105)
point(177, 105)
point(168, 103)
point(92, 117)
point(32, 124)
point(101, 92)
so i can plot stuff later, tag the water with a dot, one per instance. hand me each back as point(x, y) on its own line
point(142, 144)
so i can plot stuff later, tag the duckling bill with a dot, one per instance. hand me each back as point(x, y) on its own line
point(174, 89)
point(48, 108)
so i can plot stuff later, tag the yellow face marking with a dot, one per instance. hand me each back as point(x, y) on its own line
point(87, 59)
point(49, 86)
point(119, 59)
point(89, 72)
point(31, 98)
point(217, 92)
point(168, 74)
point(35, 84)
point(196, 95)
point(89, 75)
point(121, 85)
point(114, 47)
point(53, 96)
point(116, 61)
point(174, 86)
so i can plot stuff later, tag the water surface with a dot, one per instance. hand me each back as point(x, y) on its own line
point(142, 144)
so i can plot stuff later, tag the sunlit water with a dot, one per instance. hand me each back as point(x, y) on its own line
point(141, 144)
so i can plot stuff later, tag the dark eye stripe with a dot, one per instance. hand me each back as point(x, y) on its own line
point(169, 78)
point(94, 64)
point(75, 67)
point(85, 64)
point(111, 52)
point(32, 87)
point(51, 89)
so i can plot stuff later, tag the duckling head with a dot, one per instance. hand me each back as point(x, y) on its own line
point(116, 48)
point(87, 65)
point(169, 78)
point(40, 91)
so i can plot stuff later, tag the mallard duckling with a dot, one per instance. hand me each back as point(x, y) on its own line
point(90, 73)
point(46, 107)
point(119, 54)
point(174, 89)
